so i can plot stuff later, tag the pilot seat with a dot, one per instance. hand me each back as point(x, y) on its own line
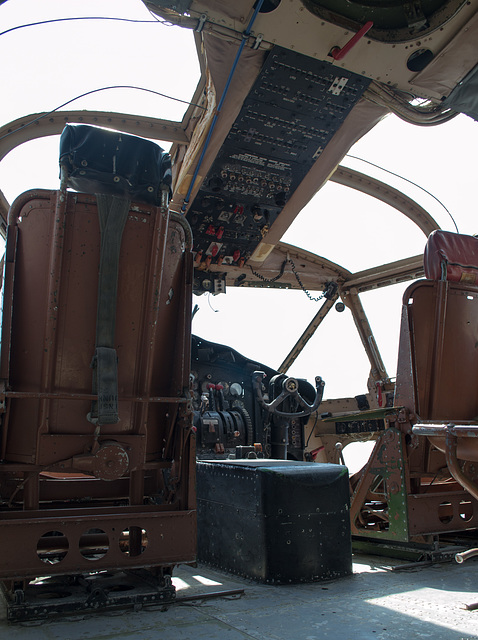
point(97, 451)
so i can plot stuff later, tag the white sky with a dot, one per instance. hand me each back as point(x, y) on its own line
point(44, 66)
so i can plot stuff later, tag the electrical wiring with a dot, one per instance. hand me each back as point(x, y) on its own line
point(415, 114)
point(397, 175)
point(87, 93)
point(209, 303)
point(41, 22)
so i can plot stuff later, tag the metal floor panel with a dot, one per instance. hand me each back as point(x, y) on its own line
point(375, 603)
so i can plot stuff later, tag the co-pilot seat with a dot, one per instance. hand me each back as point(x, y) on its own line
point(444, 317)
point(415, 488)
point(97, 456)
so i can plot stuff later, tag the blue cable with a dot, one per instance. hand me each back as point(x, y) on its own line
point(245, 36)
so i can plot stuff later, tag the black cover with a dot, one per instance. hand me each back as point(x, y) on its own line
point(110, 162)
point(275, 521)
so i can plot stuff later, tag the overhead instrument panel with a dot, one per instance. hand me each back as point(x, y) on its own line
point(292, 112)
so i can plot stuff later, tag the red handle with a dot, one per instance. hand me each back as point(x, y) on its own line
point(338, 53)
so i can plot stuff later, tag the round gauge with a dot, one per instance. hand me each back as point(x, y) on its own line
point(235, 389)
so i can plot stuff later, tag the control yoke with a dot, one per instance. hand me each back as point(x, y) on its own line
point(290, 389)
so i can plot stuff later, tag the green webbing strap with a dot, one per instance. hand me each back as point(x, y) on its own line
point(105, 385)
point(112, 213)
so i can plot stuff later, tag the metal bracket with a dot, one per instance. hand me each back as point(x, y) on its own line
point(337, 85)
point(416, 19)
point(201, 22)
point(258, 40)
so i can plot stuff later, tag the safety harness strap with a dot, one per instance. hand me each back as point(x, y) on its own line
point(112, 213)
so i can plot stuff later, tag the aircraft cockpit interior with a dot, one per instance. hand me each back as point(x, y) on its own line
point(240, 302)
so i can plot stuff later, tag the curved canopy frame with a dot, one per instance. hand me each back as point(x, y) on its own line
point(387, 194)
point(45, 124)
point(312, 272)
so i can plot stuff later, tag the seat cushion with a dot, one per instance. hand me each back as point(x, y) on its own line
point(456, 252)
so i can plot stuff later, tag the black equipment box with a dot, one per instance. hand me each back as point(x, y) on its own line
point(274, 521)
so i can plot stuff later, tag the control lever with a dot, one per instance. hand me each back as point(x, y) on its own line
point(290, 389)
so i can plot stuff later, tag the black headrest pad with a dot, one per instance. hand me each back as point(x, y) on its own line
point(110, 162)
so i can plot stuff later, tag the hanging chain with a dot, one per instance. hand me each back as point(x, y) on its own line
point(297, 277)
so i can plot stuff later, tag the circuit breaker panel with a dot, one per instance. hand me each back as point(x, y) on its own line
point(292, 112)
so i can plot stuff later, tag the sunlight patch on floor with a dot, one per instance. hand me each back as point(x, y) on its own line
point(425, 605)
point(206, 581)
point(360, 567)
point(180, 584)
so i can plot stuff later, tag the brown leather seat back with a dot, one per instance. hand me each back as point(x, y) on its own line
point(49, 344)
point(437, 375)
